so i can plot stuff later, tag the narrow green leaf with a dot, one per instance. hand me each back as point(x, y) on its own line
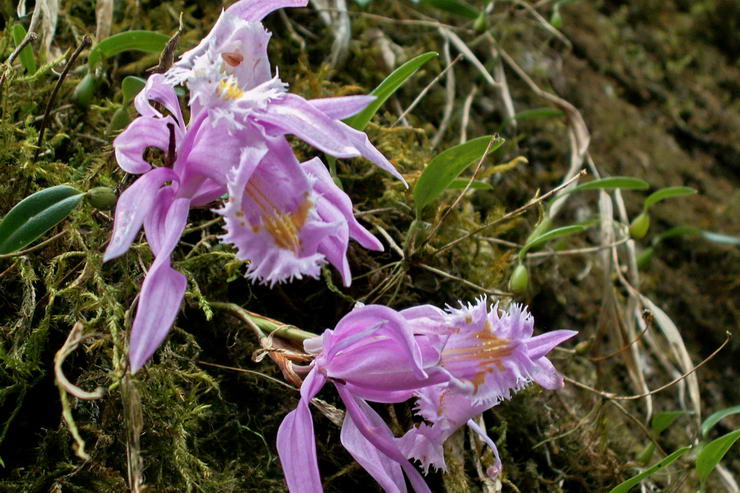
point(715, 418)
point(720, 238)
point(461, 183)
point(613, 182)
point(146, 41)
point(446, 166)
point(676, 231)
point(533, 114)
point(550, 235)
point(386, 88)
point(131, 86)
point(625, 486)
point(713, 452)
point(26, 56)
point(667, 193)
point(661, 421)
point(35, 215)
point(455, 7)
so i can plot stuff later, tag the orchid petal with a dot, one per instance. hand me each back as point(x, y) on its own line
point(142, 133)
point(294, 115)
point(341, 107)
point(296, 442)
point(159, 301)
point(542, 344)
point(157, 89)
point(394, 326)
point(155, 222)
point(545, 374)
point(385, 471)
point(334, 196)
point(374, 429)
point(133, 206)
point(256, 10)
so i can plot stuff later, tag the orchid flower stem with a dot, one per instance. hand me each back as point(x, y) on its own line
point(262, 323)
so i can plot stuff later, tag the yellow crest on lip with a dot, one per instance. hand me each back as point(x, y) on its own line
point(284, 227)
point(229, 89)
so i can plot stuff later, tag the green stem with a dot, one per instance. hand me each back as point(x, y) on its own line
point(284, 331)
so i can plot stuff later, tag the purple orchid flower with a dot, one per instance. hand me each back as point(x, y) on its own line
point(159, 200)
point(488, 356)
point(234, 142)
point(286, 218)
point(374, 354)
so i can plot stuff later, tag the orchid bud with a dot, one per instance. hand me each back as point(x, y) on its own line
point(519, 281)
point(481, 23)
point(640, 226)
point(84, 91)
point(102, 198)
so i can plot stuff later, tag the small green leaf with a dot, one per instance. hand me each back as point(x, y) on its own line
point(715, 418)
point(28, 61)
point(534, 114)
point(550, 235)
point(667, 193)
point(446, 166)
point(35, 215)
point(625, 486)
point(661, 421)
point(146, 41)
point(713, 452)
point(131, 86)
point(386, 88)
point(613, 182)
point(455, 7)
point(461, 183)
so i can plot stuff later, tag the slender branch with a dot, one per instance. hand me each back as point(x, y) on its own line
point(86, 42)
point(30, 37)
point(464, 281)
point(578, 251)
point(510, 215)
point(616, 397)
point(251, 372)
point(426, 89)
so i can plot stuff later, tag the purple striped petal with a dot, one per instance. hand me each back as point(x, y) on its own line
point(159, 301)
point(142, 133)
point(296, 443)
point(292, 114)
point(377, 433)
point(256, 10)
point(540, 345)
point(385, 471)
point(341, 107)
point(133, 206)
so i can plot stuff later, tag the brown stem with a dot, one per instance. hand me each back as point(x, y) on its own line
point(86, 42)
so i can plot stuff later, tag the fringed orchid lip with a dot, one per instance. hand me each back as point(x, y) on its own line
point(482, 353)
point(489, 354)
